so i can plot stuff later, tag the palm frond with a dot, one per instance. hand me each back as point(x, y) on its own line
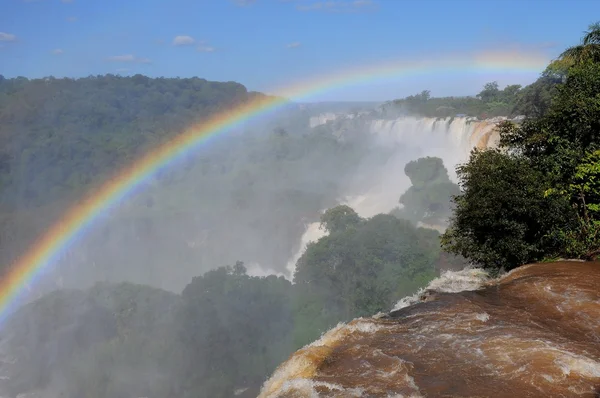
point(592, 35)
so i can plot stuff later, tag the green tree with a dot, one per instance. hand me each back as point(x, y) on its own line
point(534, 100)
point(490, 92)
point(234, 330)
point(429, 199)
point(556, 141)
point(502, 216)
point(583, 191)
point(551, 210)
point(361, 270)
point(510, 92)
point(339, 218)
point(425, 171)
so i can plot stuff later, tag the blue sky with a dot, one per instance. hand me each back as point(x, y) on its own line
point(267, 43)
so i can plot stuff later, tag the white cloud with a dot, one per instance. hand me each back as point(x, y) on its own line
point(205, 48)
point(122, 58)
point(7, 37)
point(243, 3)
point(343, 6)
point(58, 51)
point(295, 44)
point(72, 19)
point(183, 41)
point(129, 58)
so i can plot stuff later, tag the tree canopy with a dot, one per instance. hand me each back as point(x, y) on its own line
point(538, 198)
point(62, 138)
point(491, 101)
point(587, 51)
point(429, 199)
point(339, 219)
point(360, 268)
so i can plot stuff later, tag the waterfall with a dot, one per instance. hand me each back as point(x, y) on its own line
point(410, 137)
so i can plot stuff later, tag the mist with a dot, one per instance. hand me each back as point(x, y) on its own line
point(229, 202)
point(188, 286)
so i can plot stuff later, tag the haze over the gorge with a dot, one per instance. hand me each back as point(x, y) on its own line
point(246, 203)
point(231, 204)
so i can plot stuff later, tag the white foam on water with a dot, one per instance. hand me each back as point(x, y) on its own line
point(303, 364)
point(483, 317)
point(467, 279)
point(570, 363)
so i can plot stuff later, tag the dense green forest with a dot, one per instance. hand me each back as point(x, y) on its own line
point(62, 137)
point(537, 197)
point(513, 100)
point(84, 129)
point(59, 138)
point(227, 331)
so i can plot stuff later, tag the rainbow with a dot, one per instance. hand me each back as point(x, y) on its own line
point(80, 218)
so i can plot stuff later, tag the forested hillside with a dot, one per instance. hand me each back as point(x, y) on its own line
point(537, 197)
point(491, 101)
point(227, 330)
point(61, 137)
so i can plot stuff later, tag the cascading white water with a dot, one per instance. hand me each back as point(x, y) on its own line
point(449, 282)
point(450, 139)
point(323, 118)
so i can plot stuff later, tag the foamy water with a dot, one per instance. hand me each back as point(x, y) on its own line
point(449, 282)
point(449, 139)
point(532, 332)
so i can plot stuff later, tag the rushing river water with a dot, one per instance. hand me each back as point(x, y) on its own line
point(535, 332)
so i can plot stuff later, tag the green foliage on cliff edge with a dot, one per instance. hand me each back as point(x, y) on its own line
point(227, 331)
point(362, 267)
point(492, 101)
point(540, 196)
point(428, 200)
point(501, 216)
